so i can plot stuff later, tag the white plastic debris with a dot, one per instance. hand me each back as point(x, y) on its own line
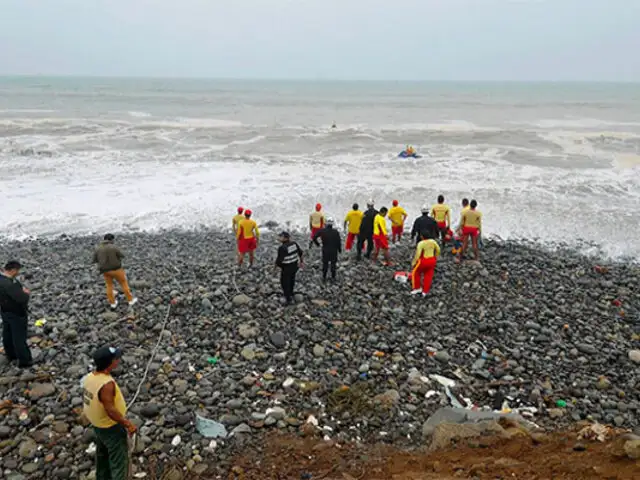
point(212, 445)
point(312, 420)
point(91, 449)
point(288, 382)
point(430, 394)
point(176, 441)
point(444, 381)
point(140, 475)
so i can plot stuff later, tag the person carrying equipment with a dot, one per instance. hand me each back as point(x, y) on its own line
point(442, 215)
point(331, 247)
point(397, 215)
point(316, 222)
point(366, 231)
point(248, 237)
point(424, 264)
point(380, 238)
point(424, 225)
point(289, 260)
point(352, 223)
point(236, 220)
point(471, 223)
point(410, 151)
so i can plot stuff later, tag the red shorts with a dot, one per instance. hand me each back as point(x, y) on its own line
point(397, 230)
point(351, 237)
point(381, 242)
point(470, 231)
point(315, 230)
point(442, 225)
point(246, 245)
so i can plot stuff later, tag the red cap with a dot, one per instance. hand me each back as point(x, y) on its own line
point(395, 203)
point(247, 213)
point(240, 209)
point(318, 207)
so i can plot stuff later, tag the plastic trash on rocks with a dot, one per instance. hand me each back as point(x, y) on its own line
point(210, 428)
point(596, 431)
point(402, 277)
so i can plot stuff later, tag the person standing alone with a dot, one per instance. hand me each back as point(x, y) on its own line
point(331, 247)
point(289, 261)
point(109, 260)
point(14, 302)
point(248, 237)
point(105, 408)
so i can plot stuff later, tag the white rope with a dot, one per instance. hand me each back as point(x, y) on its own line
point(153, 354)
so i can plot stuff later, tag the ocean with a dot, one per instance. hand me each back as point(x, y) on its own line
point(550, 162)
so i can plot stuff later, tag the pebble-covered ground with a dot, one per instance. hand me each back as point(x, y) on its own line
point(525, 328)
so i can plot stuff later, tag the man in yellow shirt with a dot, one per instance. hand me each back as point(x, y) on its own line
point(316, 222)
point(442, 215)
point(105, 408)
point(236, 220)
point(424, 264)
point(248, 237)
point(380, 239)
point(352, 223)
point(471, 224)
point(397, 215)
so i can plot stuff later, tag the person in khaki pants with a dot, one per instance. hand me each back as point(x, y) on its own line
point(109, 260)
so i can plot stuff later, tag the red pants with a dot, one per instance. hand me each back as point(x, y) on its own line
point(396, 231)
point(471, 231)
point(246, 245)
point(426, 267)
point(381, 242)
point(351, 237)
point(315, 230)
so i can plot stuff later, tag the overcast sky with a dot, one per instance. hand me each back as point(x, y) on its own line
point(331, 39)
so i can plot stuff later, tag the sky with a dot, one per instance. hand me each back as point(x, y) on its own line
point(588, 40)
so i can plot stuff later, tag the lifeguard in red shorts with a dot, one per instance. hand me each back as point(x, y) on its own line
point(397, 215)
point(248, 236)
point(424, 265)
point(316, 222)
point(441, 213)
point(352, 223)
point(380, 239)
point(471, 225)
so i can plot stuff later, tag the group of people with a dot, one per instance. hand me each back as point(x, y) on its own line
point(368, 231)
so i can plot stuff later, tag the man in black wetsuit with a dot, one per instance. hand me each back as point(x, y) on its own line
point(289, 260)
point(331, 247)
point(425, 226)
point(366, 231)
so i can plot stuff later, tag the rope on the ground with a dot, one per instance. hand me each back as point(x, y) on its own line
point(153, 355)
point(233, 279)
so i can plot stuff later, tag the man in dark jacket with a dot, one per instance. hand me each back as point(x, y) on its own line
point(366, 231)
point(331, 247)
point(289, 259)
point(14, 301)
point(109, 260)
point(425, 226)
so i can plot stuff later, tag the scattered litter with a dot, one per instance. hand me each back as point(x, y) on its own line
point(176, 441)
point(140, 475)
point(312, 420)
point(454, 401)
point(212, 445)
point(212, 360)
point(40, 322)
point(402, 277)
point(430, 394)
point(596, 431)
point(444, 381)
point(191, 368)
point(210, 428)
point(91, 449)
point(288, 382)
point(561, 404)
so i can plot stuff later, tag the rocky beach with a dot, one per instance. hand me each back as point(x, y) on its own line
point(550, 335)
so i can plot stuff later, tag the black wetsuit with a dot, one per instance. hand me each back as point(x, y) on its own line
point(331, 247)
point(14, 307)
point(424, 225)
point(366, 232)
point(289, 254)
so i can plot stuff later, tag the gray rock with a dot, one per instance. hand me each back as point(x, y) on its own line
point(41, 390)
point(247, 331)
point(318, 351)
point(248, 354)
point(442, 356)
point(634, 356)
point(5, 432)
point(240, 300)
point(150, 410)
point(70, 334)
point(206, 304)
point(243, 428)
point(27, 448)
point(30, 467)
point(587, 348)
point(109, 316)
point(278, 339)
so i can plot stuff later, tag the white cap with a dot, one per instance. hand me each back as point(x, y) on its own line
point(370, 202)
point(330, 221)
point(425, 209)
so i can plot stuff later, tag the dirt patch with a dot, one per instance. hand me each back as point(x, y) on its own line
point(554, 456)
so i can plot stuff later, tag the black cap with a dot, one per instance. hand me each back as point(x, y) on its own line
point(12, 265)
point(105, 355)
point(285, 234)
